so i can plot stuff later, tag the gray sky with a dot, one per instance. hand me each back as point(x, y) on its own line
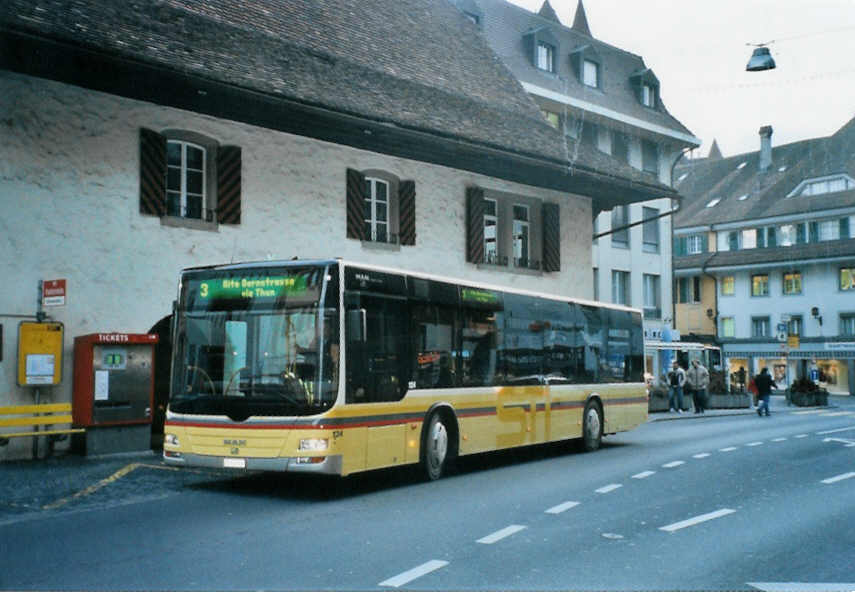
point(698, 51)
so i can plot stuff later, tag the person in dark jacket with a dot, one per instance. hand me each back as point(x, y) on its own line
point(764, 384)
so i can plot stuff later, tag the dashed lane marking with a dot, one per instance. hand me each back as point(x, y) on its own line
point(643, 475)
point(500, 534)
point(779, 439)
point(801, 587)
point(672, 464)
point(755, 444)
point(416, 572)
point(831, 480)
point(802, 436)
point(838, 430)
point(728, 449)
point(697, 520)
point(609, 488)
point(701, 455)
point(561, 507)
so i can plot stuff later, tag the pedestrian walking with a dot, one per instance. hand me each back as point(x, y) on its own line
point(676, 380)
point(764, 384)
point(698, 380)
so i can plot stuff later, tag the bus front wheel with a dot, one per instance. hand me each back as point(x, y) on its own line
point(435, 447)
point(592, 426)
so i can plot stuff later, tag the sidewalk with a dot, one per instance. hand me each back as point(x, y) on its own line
point(777, 404)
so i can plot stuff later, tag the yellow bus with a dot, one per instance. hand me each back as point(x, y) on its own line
point(335, 367)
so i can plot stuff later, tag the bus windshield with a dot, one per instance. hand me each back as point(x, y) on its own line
point(256, 342)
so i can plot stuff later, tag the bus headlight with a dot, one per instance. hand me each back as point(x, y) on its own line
point(313, 444)
point(170, 440)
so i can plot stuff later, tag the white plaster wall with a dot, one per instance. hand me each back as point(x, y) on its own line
point(69, 191)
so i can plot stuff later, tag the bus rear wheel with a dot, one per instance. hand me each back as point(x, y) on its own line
point(435, 448)
point(592, 426)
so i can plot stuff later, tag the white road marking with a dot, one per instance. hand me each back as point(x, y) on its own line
point(754, 444)
point(838, 478)
point(561, 507)
point(643, 474)
point(416, 572)
point(701, 455)
point(849, 429)
point(846, 443)
point(836, 413)
point(609, 488)
point(810, 412)
point(801, 587)
point(728, 449)
point(673, 464)
point(500, 534)
point(802, 436)
point(697, 520)
point(779, 439)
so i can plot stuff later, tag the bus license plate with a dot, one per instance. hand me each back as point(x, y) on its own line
point(234, 463)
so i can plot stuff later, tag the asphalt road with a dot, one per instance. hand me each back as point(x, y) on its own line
point(735, 502)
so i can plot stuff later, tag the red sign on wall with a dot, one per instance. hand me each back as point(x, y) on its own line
point(53, 292)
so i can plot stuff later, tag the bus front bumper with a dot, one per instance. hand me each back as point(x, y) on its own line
point(329, 465)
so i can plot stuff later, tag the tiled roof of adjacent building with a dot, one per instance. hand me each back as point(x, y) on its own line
point(745, 193)
point(410, 64)
point(768, 256)
point(504, 25)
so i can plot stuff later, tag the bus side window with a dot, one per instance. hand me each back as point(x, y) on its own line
point(432, 336)
point(377, 366)
point(478, 349)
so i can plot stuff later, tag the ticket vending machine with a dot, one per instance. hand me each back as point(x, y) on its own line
point(113, 392)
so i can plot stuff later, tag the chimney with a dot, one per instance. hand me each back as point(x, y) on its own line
point(765, 148)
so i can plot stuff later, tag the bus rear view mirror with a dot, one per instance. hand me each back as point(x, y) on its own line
point(356, 325)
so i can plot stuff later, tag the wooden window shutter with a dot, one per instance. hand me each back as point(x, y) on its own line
point(228, 184)
point(152, 173)
point(475, 209)
point(355, 204)
point(551, 237)
point(407, 212)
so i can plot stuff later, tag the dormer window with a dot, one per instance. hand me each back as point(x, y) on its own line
point(542, 48)
point(545, 57)
point(586, 65)
point(648, 96)
point(820, 185)
point(646, 87)
point(591, 74)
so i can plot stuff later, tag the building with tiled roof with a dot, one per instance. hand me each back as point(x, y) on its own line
point(607, 99)
point(764, 256)
point(142, 138)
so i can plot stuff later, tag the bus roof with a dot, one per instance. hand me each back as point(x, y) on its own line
point(418, 274)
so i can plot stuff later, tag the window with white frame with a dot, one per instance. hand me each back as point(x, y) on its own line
point(591, 73)
point(829, 230)
point(749, 238)
point(760, 284)
point(185, 180)
point(648, 95)
point(760, 327)
point(847, 279)
point(792, 283)
point(728, 285)
point(376, 209)
point(818, 186)
point(521, 236)
point(545, 57)
point(620, 287)
point(847, 324)
point(650, 229)
point(620, 218)
point(652, 298)
point(728, 327)
point(695, 244)
point(650, 157)
point(794, 325)
point(491, 223)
